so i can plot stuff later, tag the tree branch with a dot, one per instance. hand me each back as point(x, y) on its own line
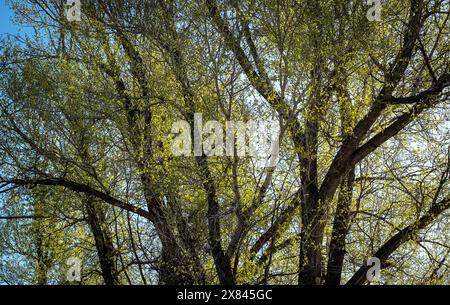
point(400, 238)
point(81, 188)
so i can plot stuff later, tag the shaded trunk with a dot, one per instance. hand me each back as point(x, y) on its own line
point(188, 242)
point(41, 240)
point(103, 241)
point(342, 216)
point(44, 262)
point(310, 259)
point(174, 268)
point(340, 229)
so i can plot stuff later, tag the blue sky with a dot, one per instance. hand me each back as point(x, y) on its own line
point(6, 15)
point(7, 26)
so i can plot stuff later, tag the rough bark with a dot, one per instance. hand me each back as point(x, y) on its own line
point(341, 226)
point(96, 220)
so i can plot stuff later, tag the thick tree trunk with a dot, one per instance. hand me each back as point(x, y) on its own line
point(340, 229)
point(310, 257)
point(174, 268)
point(39, 232)
point(44, 263)
point(103, 241)
point(342, 216)
point(310, 261)
point(221, 261)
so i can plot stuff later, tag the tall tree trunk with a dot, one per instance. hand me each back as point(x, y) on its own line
point(103, 240)
point(310, 260)
point(44, 262)
point(342, 216)
point(340, 229)
point(40, 239)
point(174, 267)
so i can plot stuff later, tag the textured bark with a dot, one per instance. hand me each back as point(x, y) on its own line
point(44, 261)
point(342, 218)
point(340, 229)
point(103, 241)
point(174, 268)
point(310, 260)
point(221, 260)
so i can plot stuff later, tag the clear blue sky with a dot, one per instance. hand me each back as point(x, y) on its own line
point(7, 26)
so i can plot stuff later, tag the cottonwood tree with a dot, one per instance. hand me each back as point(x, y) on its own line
point(363, 170)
